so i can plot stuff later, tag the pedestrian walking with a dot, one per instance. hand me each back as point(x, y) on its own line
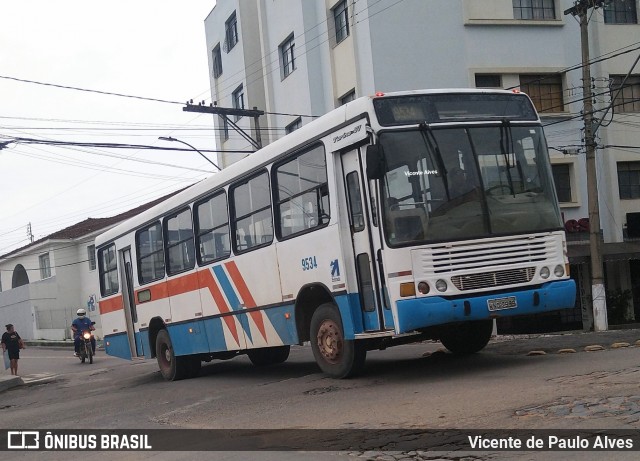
point(12, 343)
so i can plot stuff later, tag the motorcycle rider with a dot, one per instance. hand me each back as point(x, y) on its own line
point(80, 324)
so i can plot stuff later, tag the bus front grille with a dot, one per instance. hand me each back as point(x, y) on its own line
point(493, 279)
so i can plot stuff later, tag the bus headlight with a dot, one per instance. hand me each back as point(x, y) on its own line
point(558, 271)
point(545, 273)
point(441, 285)
point(423, 287)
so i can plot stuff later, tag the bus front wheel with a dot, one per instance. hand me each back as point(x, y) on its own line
point(468, 337)
point(334, 355)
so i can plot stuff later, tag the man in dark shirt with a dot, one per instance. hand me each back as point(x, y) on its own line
point(11, 342)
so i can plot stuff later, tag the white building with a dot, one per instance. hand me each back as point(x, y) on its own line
point(298, 59)
point(43, 284)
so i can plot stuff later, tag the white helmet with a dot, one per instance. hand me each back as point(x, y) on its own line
point(81, 312)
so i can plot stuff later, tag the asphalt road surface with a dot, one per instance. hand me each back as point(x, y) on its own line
point(528, 384)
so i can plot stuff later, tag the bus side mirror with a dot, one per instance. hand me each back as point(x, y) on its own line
point(375, 164)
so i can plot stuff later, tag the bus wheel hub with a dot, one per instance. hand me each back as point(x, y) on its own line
point(330, 341)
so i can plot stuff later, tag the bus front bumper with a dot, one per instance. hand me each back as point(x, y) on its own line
point(425, 312)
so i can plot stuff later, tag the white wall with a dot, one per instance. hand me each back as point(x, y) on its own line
point(70, 287)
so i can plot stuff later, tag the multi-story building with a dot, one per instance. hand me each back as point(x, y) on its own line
point(297, 59)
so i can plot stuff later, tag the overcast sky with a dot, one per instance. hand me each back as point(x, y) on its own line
point(146, 48)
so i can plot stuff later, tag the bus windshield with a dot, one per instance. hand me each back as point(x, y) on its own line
point(466, 182)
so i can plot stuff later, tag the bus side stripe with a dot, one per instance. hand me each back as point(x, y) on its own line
point(234, 302)
point(210, 283)
point(111, 305)
point(245, 294)
point(184, 284)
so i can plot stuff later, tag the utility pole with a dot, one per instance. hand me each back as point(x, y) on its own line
point(29, 233)
point(598, 293)
point(224, 112)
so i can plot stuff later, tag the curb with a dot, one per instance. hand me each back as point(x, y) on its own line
point(9, 382)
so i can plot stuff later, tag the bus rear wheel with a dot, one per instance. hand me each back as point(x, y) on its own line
point(268, 355)
point(171, 367)
point(334, 355)
point(468, 337)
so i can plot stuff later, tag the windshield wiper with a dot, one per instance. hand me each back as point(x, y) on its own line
point(505, 144)
point(434, 150)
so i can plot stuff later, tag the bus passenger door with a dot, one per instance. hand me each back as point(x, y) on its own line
point(130, 311)
point(364, 251)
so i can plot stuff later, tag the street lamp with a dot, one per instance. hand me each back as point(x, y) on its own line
point(169, 138)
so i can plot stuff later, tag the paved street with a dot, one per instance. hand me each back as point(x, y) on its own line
point(510, 385)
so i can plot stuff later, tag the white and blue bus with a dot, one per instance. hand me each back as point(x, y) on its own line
point(395, 218)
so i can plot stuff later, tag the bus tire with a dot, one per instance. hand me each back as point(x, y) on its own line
point(268, 355)
point(337, 357)
point(468, 337)
point(171, 367)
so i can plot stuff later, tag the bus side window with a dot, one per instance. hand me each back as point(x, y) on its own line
point(108, 268)
point(302, 192)
point(252, 222)
point(355, 202)
point(212, 229)
point(150, 253)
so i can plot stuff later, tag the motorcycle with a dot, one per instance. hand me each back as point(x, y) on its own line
point(86, 350)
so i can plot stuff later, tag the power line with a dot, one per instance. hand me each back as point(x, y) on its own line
point(87, 90)
point(50, 142)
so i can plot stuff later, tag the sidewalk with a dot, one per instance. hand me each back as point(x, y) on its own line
point(556, 342)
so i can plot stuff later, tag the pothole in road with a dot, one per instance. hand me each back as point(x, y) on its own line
point(627, 407)
point(322, 390)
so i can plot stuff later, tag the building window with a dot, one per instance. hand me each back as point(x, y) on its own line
point(217, 61)
point(287, 56)
point(224, 127)
point(45, 266)
point(341, 20)
point(620, 12)
point(238, 99)
point(538, 10)
point(213, 229)
point(231, 32)
point(91, 257)
point(150, 253)
point(545, 90)
point(293, 126)
point(350, 96)
point(629, 180)
point(488, 81)
point(252, 222)
point(627, 100)
point(562, 180)
point(108, 270)
point(178, 234)
point(302, 193)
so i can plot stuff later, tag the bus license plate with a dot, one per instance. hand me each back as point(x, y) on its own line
point(499, 304)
